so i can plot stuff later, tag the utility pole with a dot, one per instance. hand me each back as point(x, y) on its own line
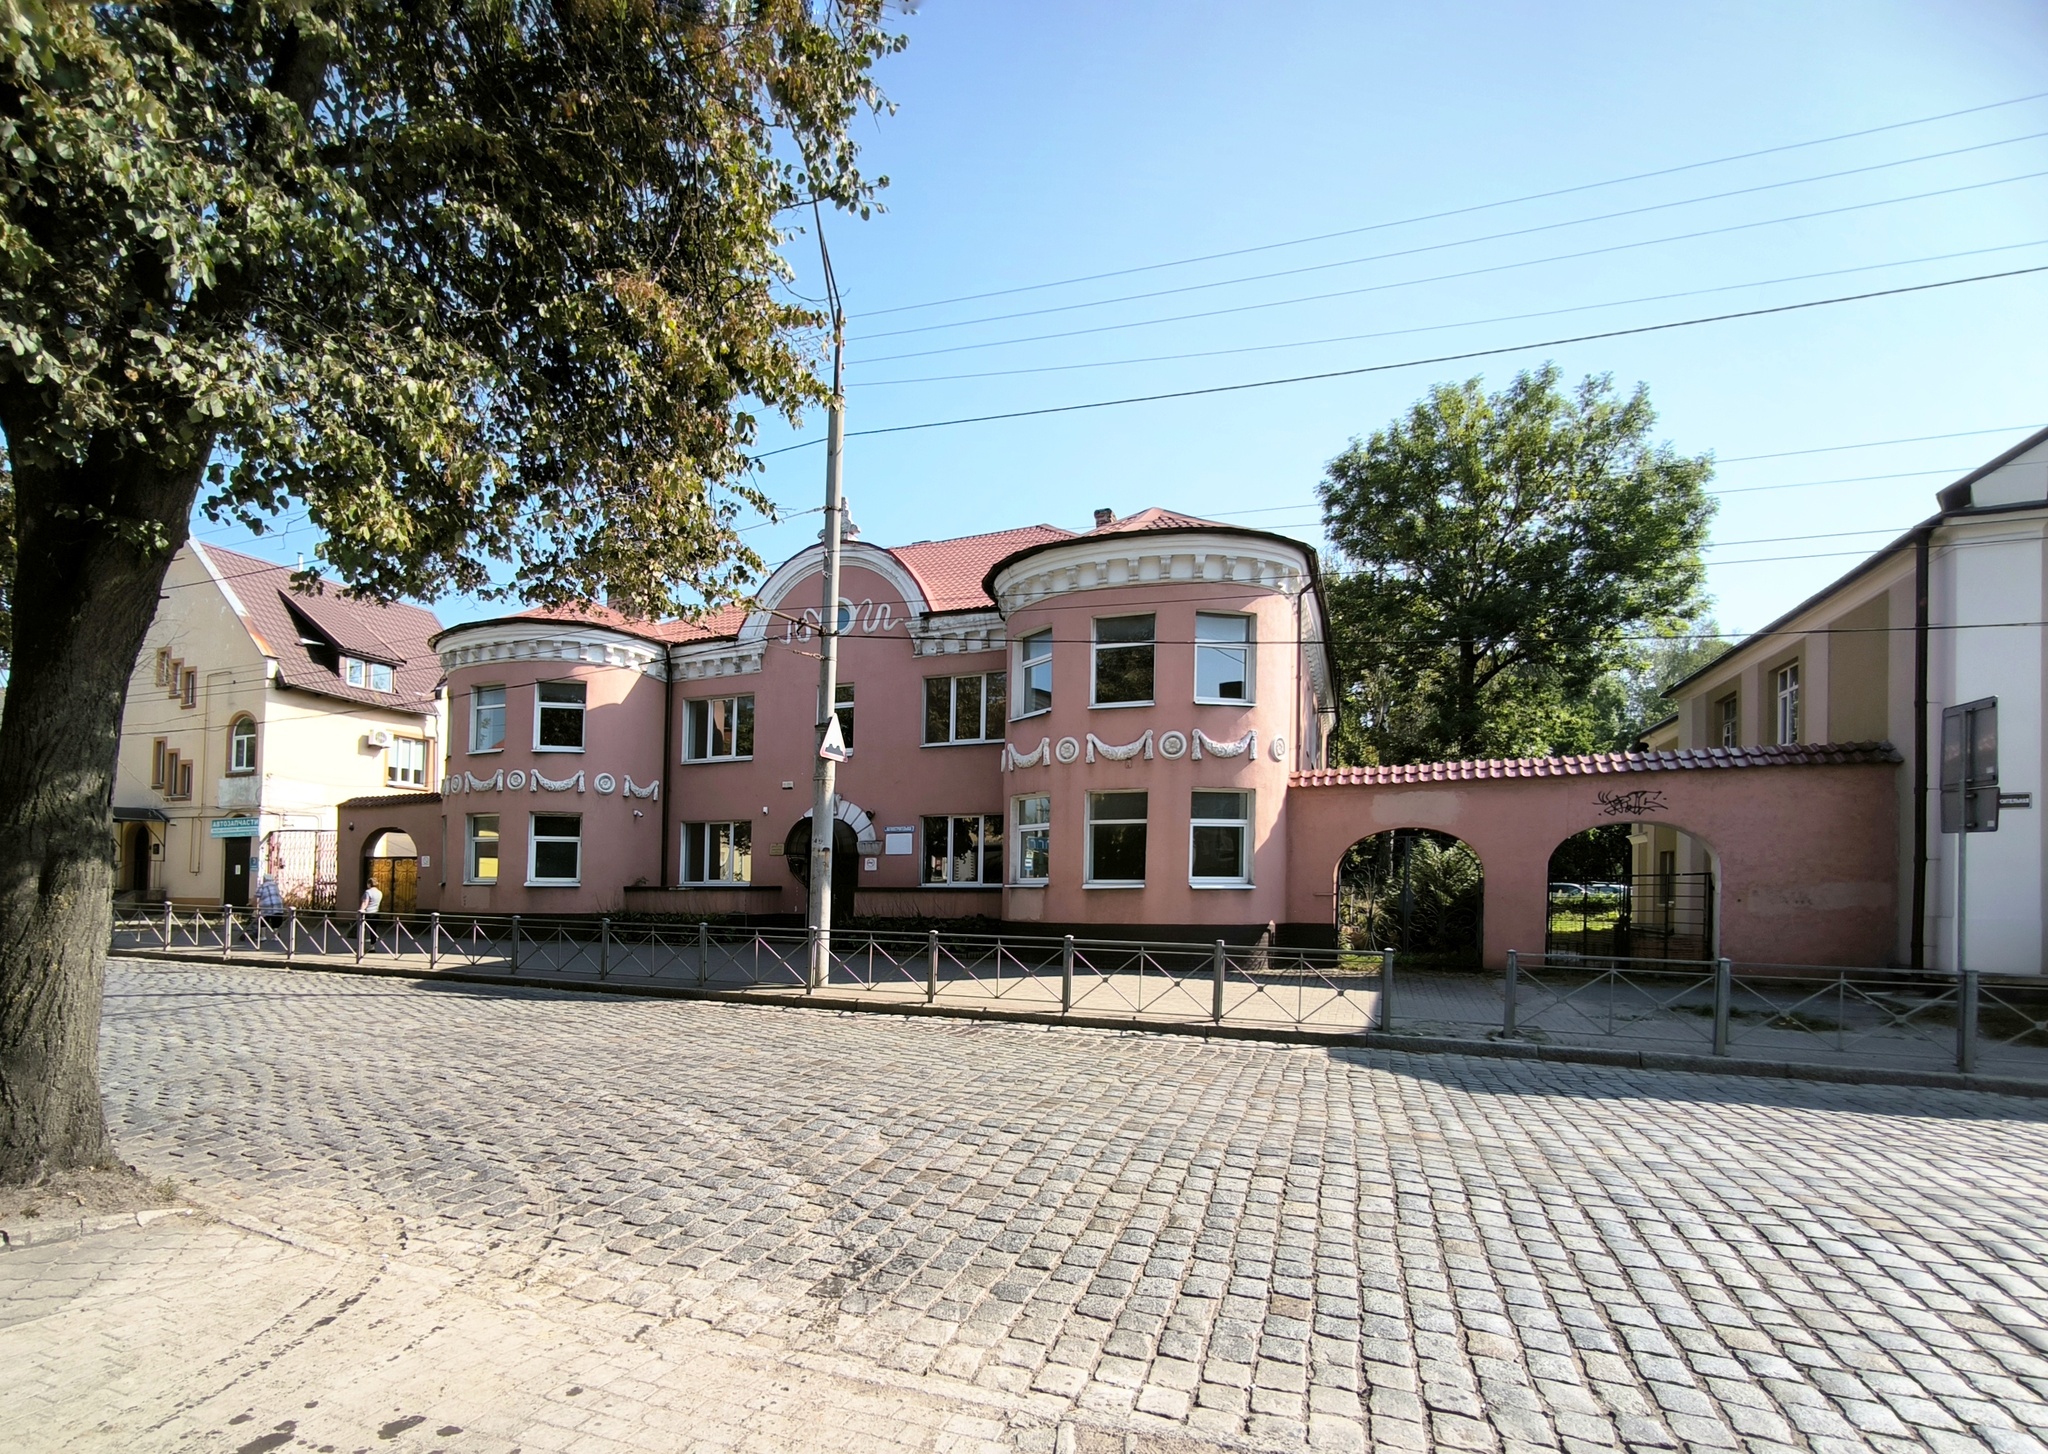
point(823, 804)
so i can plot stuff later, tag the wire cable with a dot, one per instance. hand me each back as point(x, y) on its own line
point(1455, 276)
point(1430, 247)
point(1423, 362)
point(1462, 211)
point(1442, 327)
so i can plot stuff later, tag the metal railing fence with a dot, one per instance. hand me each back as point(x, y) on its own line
point(1927, 1019)
point(1322, 991)
point(1712, 1007)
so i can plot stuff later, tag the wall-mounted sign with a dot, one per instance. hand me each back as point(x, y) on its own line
point(899, 842)
point(233, 828)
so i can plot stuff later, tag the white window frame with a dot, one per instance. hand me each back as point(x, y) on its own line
point(469, 845)
point(533, 842)
point(1097, 646)
point(355, 671)
point(1090, 881)
point(1730, 708)
point(990, 726)
point(580, 708)
point(1242, 879)
point(690, 708)
point(237, 765)
point(1025, 662)
point(980, 879)
point(1249, 647)
point(395, 769)
point(477, 707)
point(1022, 829)
point(1786, 682)
point(383, 677)
point(735, 830)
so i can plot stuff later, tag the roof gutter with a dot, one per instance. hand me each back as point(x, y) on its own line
point(668, 737)
point(1922, 540)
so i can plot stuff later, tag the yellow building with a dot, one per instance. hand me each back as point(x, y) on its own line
point(253, 710)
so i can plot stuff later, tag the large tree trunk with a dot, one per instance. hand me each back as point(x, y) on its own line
point(94, 541)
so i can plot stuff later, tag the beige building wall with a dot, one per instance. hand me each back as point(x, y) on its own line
point(310, 750)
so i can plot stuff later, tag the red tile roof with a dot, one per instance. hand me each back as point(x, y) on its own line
point(1593, 764)
point(279, 617)
point(1158, 519)
point(723, 622)
point(951, 571)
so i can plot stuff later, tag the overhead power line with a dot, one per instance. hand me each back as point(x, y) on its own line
point(1445, 327)
point(1430, 247)
point(1458, 211)
point(1420, 362)
point(1489, 269)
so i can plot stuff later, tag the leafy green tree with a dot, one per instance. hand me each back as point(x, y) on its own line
point(485, 285)
point(1496, 553)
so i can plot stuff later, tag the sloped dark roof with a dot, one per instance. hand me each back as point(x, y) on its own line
point(390, 800)
point(278, 615)
point(1596, 764)
point(951, 571)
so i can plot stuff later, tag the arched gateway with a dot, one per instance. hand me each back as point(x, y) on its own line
point(1805, 836)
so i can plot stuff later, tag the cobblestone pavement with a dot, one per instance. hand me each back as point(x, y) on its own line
point(1016, 1237)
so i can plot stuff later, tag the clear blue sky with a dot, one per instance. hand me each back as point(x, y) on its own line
point(1041, 142)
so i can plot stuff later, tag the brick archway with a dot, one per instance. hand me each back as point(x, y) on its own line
point(1806, 835)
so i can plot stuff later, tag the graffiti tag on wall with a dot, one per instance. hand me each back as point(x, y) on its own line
point(1631, 804)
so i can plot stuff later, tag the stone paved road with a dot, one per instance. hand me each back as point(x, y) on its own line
point(1227, 1243)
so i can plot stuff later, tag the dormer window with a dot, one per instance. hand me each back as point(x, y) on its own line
point(376, 675)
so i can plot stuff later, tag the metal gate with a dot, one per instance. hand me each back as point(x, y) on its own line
point(306, 864)
point(1646, 916)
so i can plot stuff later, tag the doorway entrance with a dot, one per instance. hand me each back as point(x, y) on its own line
point(135, 859)
point(392, 863)
point(234, 872)
point(796, 848)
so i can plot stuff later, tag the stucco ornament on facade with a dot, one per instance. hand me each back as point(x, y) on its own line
point(634, 790)
point(1204, 743)
point(520, 780)
point(604, 782)
point(1068, 750)
point(1173, 745)
point(554, 785)
point(1120, 754)
point(1036, 757)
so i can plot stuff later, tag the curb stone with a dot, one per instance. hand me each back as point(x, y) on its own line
point(39, 1233)
point(1488, 1048)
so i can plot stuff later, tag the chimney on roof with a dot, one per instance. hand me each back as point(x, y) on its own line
point(1104, 517)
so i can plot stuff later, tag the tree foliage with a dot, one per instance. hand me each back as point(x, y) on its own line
point(488, 286)
point(1497, 553)
point(477, 282)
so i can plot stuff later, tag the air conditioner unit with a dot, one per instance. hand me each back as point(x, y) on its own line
point(377, 737)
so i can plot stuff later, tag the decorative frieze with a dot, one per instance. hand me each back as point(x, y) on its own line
point(1172, 744)
point(521, 780)
point(1176, 558)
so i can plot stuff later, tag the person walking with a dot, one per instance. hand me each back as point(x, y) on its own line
point(373, 900)
point(270, 900)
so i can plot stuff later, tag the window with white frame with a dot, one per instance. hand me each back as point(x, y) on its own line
point(1223, 658)
point(1123, 661)
point(405, 765)
point(354, 671)
point(382, 677)
point(718, 728)
point(964, 708)
point(1220, 839)
point(718, 853)
point(378, 676)
point(487, 719)
point(555, 849)
point(1032, 853)
point(242, 746)
point(558, 716)
point(1787, 681)
point(1730, 729)
point(842, 708)
point(480, 863)
point(964, 849)
point(1116, 839)
point(1034, 674)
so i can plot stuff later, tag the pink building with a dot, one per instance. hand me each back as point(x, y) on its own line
point(1048, 728)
